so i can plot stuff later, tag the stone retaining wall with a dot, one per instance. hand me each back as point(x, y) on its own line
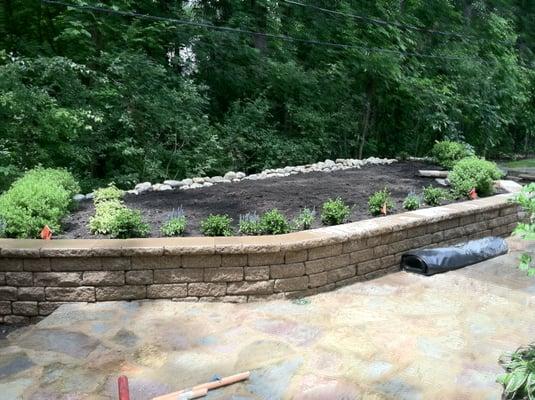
point(37, 276)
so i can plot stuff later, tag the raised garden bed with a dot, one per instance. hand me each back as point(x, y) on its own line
point(288, 194)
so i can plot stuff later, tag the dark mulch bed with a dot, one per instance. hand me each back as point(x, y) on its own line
point(289, 194)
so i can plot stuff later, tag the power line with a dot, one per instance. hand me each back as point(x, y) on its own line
point(377, 21)
point(286, 38)
point(382, 22)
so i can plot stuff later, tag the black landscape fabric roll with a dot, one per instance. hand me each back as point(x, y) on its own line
point(433, 261)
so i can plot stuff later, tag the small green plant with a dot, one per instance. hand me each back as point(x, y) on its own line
point(380, 202)
point(250, 224)
point(519, 378)
point(473, 173)
point(216, 225)
point(403, 156)
point(433, 196)
point(176, 223)
point(108, 193)
point(448, 153)
point(42, 196)
point(411, 202)
point(274, 222)
point(113, 218)
point(334, 212)
point(526, 230)
point(304, 220)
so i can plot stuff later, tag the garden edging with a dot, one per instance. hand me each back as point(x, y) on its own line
point(37, 276)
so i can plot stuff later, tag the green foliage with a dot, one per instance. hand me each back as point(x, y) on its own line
point(519, 378)
point(411, 202)
point(433, 196)
point(446, 153)
point(108, 193)
point(216, 225)
point(250, 224)
point(334, 212)
point(304, 220)
point(526, 200)
point(174, 227)
point(115, 219)
point(273, 222)
point(471, 173)
point(41, 197)
point(380, 201)
point(3, 226)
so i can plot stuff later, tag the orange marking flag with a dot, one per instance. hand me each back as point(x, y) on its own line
point(473, 194)
point(46, 233)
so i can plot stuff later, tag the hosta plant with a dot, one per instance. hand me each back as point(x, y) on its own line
point(519, 378)
point(526, 230)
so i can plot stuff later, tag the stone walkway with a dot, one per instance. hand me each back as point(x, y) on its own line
point(399, 337)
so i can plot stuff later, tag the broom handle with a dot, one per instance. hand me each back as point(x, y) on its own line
point(229, 380)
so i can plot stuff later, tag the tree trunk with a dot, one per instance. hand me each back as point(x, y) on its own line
point(366, 120)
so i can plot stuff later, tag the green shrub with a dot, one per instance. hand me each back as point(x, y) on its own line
point(2, 228)
point(433, 196)
point(216, 225)
point(380, 201)
point(519, 378)
point(250, 224)
point(115, 219)
point(176, 223)
point(448, 153)
point(274, 222)
point(471, 173)
point(411, 202)
point(40, 197)
point(108, 193)
point(304, 220)
point(334, 212)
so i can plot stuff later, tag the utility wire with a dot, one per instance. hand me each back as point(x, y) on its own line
point(286, 38)
point(376, 21)
point(382, 22)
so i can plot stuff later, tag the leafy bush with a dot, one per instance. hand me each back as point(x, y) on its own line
point(304, 220)
point(471, 173)
point(250, 224)
point(274, 223)
point(176, 223)
point(380, 202)
point(411, 202)
point(2, 228)
point(334, 212)
point(115, 219)
point(526, 200)
point(216, 225)
point(447, 153)
point(40, 197)
point(433, 196)
point(519, 378)
point(108, 193)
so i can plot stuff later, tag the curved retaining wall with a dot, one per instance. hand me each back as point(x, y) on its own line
point(37, 276)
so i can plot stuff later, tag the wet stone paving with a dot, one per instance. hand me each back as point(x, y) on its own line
point(402, 336)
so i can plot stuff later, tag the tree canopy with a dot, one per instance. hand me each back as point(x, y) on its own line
point(123, 98)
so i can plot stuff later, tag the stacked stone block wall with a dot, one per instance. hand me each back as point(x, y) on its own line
point(38, 276)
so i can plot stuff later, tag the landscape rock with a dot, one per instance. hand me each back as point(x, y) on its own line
point(79, 197)
point(173, 183)
point(143, 187)
point(442, 182)
point(195, 186)
point(133, 191)
point(186, 182)
point(240, 175)
point(159, 187)
point(89, 196)
point(198, 180)
point(230, 175)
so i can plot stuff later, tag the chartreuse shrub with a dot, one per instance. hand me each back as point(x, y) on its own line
point(40, 197)
point(113, 218)
point(473, 173)
point(334, 212)
point(447, 153)
point(273, 222)
point(304, 220)
point(250, 224)
point(411, 202)
point(176, 223)
point(433, 196)
point(216, 225)
point(519, 378)
point(380, 202)
point(108, 193)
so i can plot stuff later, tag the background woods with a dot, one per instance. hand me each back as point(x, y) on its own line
point(113, 97)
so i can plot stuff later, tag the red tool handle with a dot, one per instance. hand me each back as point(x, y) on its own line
point(122, 384)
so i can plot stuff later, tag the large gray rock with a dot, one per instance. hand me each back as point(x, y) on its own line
point(79, 197)
point(186, 182)
point(173, 183)
point(230, 175)
point(143, 187)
